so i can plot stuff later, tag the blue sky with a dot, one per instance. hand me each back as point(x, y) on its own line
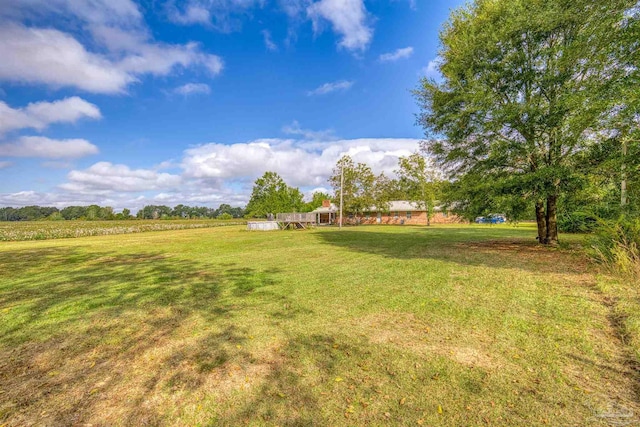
point(164, 102)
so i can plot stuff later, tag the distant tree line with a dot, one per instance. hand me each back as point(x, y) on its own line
point(95, 212)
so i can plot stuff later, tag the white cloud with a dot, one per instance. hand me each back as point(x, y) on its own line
point(300, 163)
point(218, 14)
point(39, 115)
point(347, 17)
point(192, 89)
point(193, 14)
point(331, 87)
point(5, 164)
point(55, 58)
point(42, 147)
point(105, 177)
point(268, 41)
point(295, 129)
point(114, 12)
point(401, 53)
point(432, 70)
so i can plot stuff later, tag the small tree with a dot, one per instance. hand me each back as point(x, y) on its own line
point(421, 181)
point(361, 189)
point(272, 195)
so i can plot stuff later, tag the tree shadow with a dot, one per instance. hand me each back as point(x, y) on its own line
point(81, 328)
point(496, 248)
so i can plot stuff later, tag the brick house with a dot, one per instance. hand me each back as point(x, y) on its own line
point(399, 212)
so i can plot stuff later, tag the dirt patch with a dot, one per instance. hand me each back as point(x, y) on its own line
point(406, 331)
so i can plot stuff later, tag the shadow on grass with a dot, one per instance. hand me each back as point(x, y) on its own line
point(81, 329)
point(489, 247)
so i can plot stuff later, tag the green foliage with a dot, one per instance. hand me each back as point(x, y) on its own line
point(271, 195)
point(361, 189)
point(316, 201)
point(225, 216)
point(421, 181)
point(617, 245)
point(525, 86)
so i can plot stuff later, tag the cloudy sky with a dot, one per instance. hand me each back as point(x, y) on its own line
point(125, 103)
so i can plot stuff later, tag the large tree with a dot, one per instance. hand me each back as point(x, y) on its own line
point(525, 85)
point(271, 195)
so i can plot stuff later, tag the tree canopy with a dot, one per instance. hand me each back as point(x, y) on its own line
point(271, 195)
point(526, 87)
point(361, 188)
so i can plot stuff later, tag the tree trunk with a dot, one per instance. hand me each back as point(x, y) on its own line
point(623, 185)
point(542, 222)
point(552, 220)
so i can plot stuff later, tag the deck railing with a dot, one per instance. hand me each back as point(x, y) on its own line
point(296, 217)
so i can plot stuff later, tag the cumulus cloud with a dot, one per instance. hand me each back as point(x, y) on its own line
point(192, 89)
point(347, 17)
point(126, 52)
point(331, 87)
point(107, 177)
point(42, 147)
point(401, 53)
point(39, 115)
point(301, 163)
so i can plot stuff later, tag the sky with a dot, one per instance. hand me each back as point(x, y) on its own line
point(125, 104)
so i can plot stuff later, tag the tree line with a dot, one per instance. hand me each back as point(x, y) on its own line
point(416, 180)
point(95, 212)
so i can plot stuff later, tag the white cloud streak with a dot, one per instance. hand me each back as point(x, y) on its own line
point(268, 41)
point(107, 177)
point(42, 147)
point(331, 87)
point(192, 89)
point(401, 53)
point(39, 115)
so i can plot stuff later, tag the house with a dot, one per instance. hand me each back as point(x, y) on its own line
point(399, 212)
point(327, 213)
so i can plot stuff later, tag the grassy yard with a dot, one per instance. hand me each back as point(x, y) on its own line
point(449, 325)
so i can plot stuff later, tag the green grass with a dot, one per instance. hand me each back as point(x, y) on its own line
point(448, 325)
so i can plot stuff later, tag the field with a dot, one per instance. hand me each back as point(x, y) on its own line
point(447, 325)
point(44, 230)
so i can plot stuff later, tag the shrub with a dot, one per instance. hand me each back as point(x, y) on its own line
point(577, 222)
point(617, 245)
point(225, 215)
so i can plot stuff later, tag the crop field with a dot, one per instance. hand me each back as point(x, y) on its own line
point(371, 325)
point(43, 230)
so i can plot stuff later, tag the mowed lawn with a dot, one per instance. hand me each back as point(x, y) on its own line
point(442, 325)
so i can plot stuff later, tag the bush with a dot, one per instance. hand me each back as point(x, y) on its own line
point(577, 222)
point(225, 216)
point(617, 245)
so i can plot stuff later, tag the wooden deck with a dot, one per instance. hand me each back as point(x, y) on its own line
point(296, 220)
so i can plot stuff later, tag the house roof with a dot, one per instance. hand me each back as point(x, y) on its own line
point(403, 206)
point(394, 205)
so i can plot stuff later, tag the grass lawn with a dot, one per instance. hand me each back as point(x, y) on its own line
point(448, 325)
